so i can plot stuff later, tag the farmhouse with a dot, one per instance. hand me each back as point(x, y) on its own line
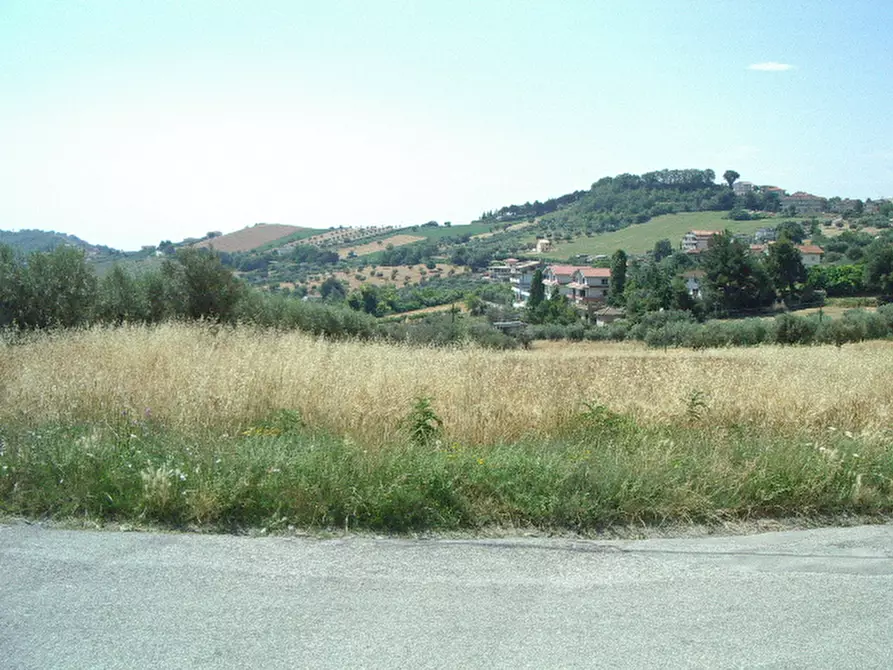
point(696, 241)
point(812, 254)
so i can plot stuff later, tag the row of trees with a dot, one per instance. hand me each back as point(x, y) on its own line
point(59, 288)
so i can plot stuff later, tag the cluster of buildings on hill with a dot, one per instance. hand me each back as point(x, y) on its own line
point(587, 288)
point(696, 241)
point(807, 204)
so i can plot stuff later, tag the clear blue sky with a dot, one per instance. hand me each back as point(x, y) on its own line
point(130, 122)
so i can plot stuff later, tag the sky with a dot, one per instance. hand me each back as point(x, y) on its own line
point(127, 123)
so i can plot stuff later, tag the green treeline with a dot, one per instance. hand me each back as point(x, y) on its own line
point(59, 289)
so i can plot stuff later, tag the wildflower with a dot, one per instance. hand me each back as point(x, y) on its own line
point(480, 461)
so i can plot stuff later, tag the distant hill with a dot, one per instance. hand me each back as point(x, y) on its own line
point(256, 236)
point(27, 241)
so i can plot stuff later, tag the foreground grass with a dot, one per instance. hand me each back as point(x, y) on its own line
point(603, 472)
point(193, 426)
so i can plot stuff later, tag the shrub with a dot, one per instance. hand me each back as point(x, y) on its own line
point(791, 329)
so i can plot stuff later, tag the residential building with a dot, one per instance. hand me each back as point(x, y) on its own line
point(521, 278)
point(764, 235)
point(693, 282)
point(811, 253)
point(543, 245)
point(559, 276)
point(803, 203)
point(742, 187)
point(772, 189)
point(501, 270)
point(696, 241)
point(589, 286)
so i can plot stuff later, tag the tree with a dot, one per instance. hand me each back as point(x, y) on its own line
point(120, 298)
point(879, 268)
point(649, 289)
point(662, 249)
point(537, 290)
point(734, 280)
point(785, 266)
point(474, 304)
point(200, 286)
point(730, 176)
point(557, 309)
point(57, 289)
point(618, 277)
point(791, 230)
point(332, 290)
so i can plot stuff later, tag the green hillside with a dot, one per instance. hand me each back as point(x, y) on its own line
point(440, 232)
point(641, 237)
point(26, 241)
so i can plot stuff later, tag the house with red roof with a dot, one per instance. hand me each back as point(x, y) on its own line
point(582, 285)
point(590, 286)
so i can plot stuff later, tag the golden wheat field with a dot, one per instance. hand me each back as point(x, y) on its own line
point(198, 378)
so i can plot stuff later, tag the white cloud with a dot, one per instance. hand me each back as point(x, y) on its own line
point(771, 66)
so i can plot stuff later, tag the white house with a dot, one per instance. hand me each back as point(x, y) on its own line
point(589, 286)
point(811, 253)
point(696, 241)
point(694, 280)
point(560, 276)
point(521, 278)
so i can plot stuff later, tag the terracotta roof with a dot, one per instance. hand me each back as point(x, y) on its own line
point(705, 233)
point(810, 249)
point(511, 260)
point(800, 195)
point(564, 269)
point(604, 273)
point(758, 247)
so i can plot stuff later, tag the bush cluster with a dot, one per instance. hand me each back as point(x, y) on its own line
point(676, 328)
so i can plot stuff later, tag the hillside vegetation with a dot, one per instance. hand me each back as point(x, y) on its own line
point(640, 238)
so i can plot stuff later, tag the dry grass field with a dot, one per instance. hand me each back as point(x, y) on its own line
point(406, 274)
point(197, 426)
point(249, 238)
point(195, 378)
point(380, 245)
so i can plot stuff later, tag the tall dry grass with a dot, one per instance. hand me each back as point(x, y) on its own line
point(196, 378)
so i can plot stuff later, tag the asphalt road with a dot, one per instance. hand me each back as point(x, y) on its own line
point(803, 599)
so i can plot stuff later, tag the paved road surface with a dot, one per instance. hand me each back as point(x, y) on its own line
point(806, 599)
